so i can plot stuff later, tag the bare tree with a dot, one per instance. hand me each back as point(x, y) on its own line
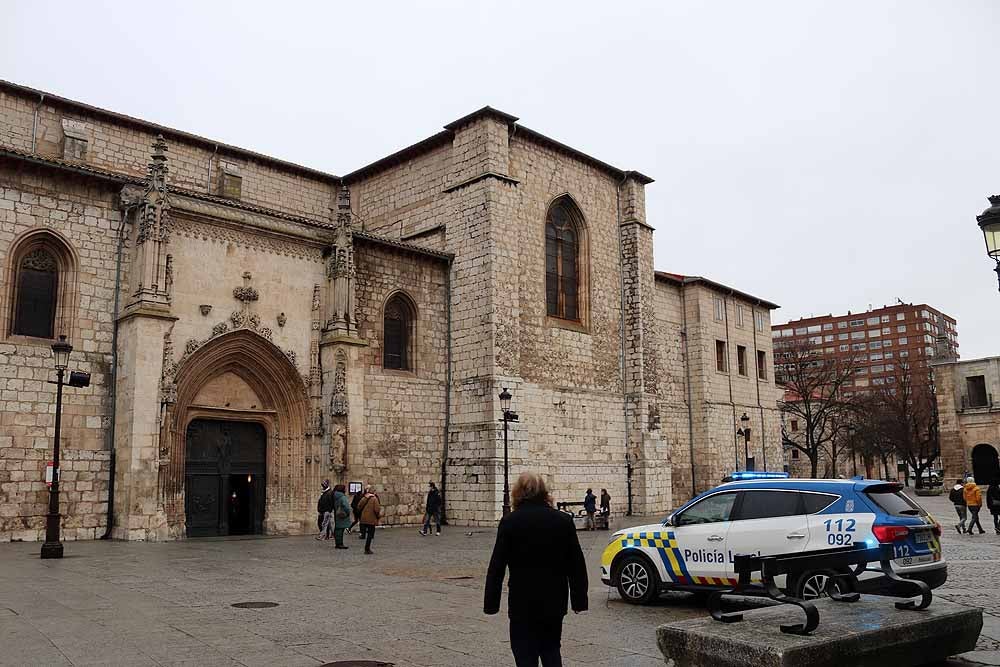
point(870, 438)
point(813, 383)
point(907, 418)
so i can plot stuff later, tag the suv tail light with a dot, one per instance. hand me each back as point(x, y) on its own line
point(886, 534)
point(937, 529)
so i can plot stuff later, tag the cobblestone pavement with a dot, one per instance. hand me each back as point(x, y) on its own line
point(417, 601)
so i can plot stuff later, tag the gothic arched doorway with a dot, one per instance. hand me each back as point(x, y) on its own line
point(240, 409)
point(985, 464)
point(225, 479)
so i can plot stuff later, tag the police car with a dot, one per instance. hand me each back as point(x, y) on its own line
point(767, 513)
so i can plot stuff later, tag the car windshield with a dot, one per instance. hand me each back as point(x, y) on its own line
point(896, 503)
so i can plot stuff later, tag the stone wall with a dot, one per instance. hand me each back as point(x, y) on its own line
point(82, 212)
point(962, 427)
point(401, 447)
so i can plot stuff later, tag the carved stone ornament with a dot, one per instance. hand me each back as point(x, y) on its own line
point(205, 309)
point(282, 319)
point(338, 403)
point(242, 319)
point(168, 376)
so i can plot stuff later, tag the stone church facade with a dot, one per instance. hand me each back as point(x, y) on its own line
point(253, 327)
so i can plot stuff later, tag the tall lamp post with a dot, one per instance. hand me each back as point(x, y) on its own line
point(508, 416)
point(989, 222)
point(53, 548)
point(745, 432)
point(851, 432)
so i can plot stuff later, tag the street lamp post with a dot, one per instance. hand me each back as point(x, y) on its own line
point(508, 416)
point(851, 431)
point(745, 432)
point(989, 222)
point(53, 548)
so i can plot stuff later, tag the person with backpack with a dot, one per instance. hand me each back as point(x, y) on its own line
point(957, 498)
point(341, 515)
point(993, 503)
point(974, 501)
point(432, 510)
point(371, 512)
point(324, 506)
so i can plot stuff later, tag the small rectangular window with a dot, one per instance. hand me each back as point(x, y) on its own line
point(739, 315)
point(903, 341)
point(795, 454)
point(874, 333)
point(857, 323)
point(720, 309)
point(975, 387)
point(873, 320)
point(842, 336)
point(721, 363)
point(885, 318)
point(845, 348)
point(828, 326)
point(875, 345)
point(795, 425)
point(901, 328)
point(741, 359)
point(759, 320)
point(815, 328)
point(858, 335)
point(761, 365)
point(827, 339)
point(841, 325)
point(801, 331)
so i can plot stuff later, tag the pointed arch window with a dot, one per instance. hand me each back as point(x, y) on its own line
point(397, 330)
point(36, 294)
point(563, 272)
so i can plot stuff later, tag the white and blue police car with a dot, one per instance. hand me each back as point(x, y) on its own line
point(768, 513)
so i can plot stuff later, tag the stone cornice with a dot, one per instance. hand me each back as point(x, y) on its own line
point(483, 176)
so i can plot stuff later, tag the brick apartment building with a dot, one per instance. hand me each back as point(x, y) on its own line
point(880, 339)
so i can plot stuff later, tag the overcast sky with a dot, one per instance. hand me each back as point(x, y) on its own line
point(821, 155)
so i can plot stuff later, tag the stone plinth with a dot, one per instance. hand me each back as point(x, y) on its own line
point(868, 632)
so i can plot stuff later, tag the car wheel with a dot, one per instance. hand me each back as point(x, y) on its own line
point(638, 582)
point(811, 585)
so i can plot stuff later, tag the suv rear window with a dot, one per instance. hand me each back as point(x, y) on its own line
point(895, 503)
point(817, 502)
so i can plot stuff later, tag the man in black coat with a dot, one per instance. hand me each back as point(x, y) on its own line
point(433, 510)
point(538, 544)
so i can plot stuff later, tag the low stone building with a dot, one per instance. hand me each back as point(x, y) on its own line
point(968, 417)
point(254, 326)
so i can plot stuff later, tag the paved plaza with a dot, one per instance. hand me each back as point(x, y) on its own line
point(417, 601)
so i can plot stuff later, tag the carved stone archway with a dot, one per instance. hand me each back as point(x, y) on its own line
point(283, 411)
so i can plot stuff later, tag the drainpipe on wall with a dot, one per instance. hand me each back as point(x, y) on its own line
point(760, 406)
point(687, 369)
point(113, 378)
point(447, 403)
point(208, 179)
point(729, 372)
point(621, 362)
point(34, 122)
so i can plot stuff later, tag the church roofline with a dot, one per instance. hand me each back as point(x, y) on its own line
point(371, 169)
point(167, 132)
point(678, 279)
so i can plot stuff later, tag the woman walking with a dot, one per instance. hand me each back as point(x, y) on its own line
point(993, 502)
point(371, 513)
point(323, 508)
point(341, 515)
point(355, 501)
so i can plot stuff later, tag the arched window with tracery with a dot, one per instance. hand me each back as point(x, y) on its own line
point(564, 243)
point(397, 330)
point(36, 294)
point(39, 287)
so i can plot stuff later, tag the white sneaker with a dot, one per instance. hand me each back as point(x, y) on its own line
point(439, 533)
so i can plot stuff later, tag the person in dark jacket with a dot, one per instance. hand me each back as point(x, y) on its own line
point(605, 502)
point(432, 510)
point(538, 544)
point(355, 511)
point(590, 507)
point(957, 498)
point(993, 503)
point(341, 518)
point(324, 506)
